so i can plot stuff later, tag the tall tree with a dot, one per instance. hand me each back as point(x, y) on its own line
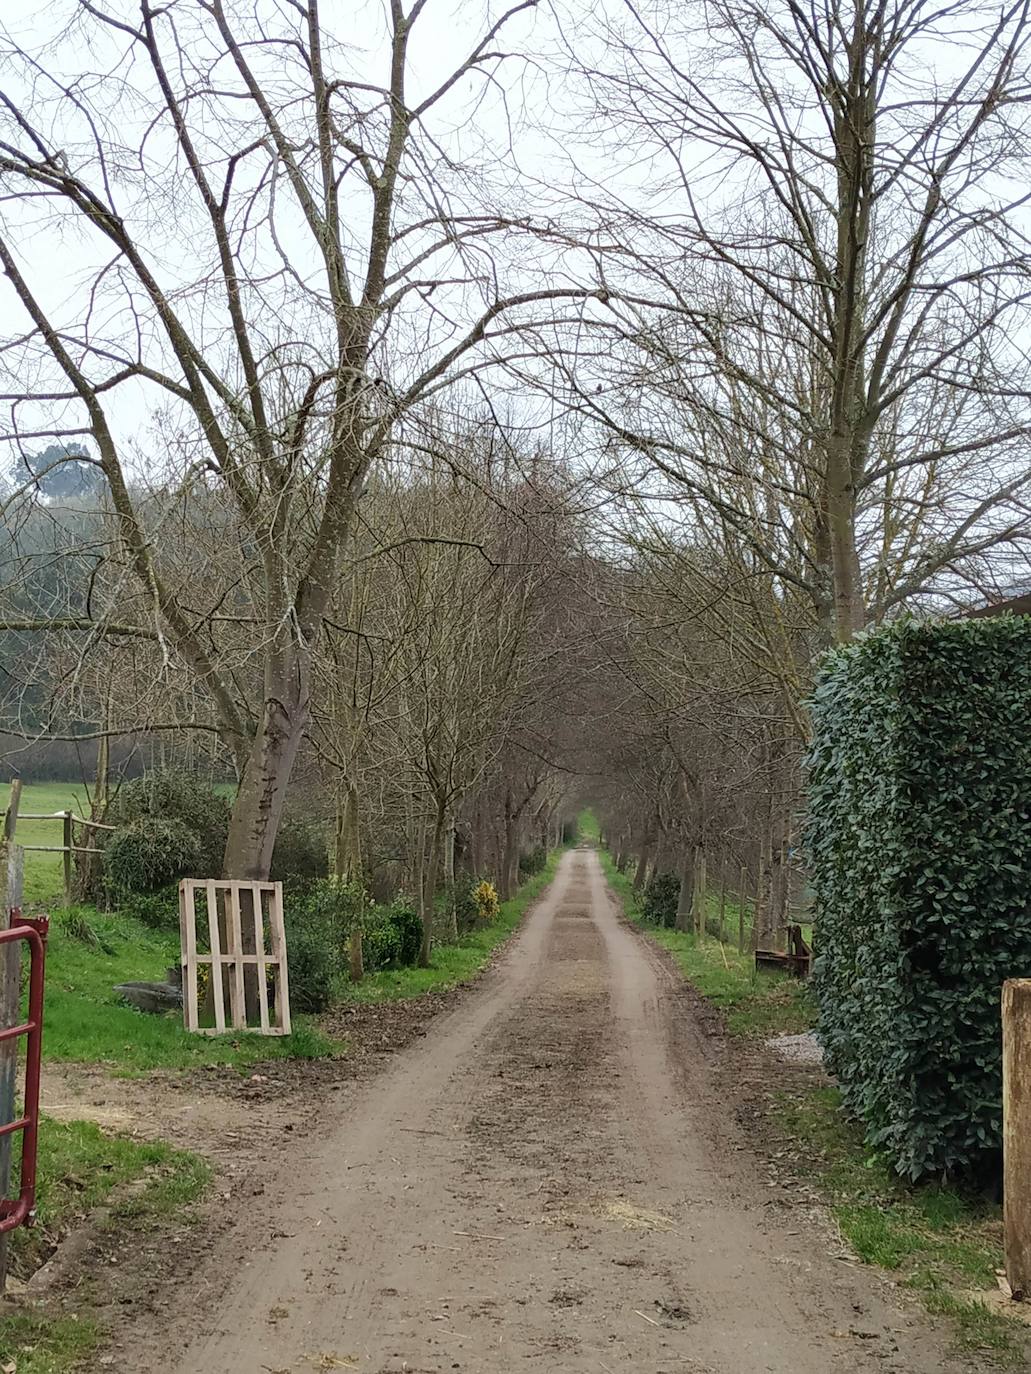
point(281, 248)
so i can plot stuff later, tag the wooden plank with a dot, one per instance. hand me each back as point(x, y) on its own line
point(237, 998)
point(188, 943)
point(258, 916)
point(278, 936)
point(217, 994)
point(1016, 1133)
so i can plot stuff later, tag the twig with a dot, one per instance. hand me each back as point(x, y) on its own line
point(650, 1320)
point(473, 1236)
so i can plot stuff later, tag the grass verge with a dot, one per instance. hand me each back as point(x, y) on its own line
point(753, 1003)
point(81, 1169)
point(455, 963)
point(85, 1021)
point(942, 1244)
point(939, 1243)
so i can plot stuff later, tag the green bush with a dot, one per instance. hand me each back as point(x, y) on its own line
point(660, 900)
point(408, 929)
point(313, 960)
point(301, 854)
point(381, 942)
point(179, 798)
point(151, 853)
point(464, 898)
point(919, 839)
point(159, 910)
point(532, 863)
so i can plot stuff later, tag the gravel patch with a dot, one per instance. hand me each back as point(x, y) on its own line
point(797, 1049)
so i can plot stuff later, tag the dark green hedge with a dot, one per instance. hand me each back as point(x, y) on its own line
point(919, 839)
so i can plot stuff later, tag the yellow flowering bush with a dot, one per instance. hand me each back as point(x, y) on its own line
point(485, 895)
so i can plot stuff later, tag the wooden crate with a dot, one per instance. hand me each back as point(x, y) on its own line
point(237, 926)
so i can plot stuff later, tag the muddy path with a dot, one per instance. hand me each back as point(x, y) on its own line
point(548, 1180)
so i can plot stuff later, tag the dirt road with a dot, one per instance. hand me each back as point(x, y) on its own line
point(546, 1182)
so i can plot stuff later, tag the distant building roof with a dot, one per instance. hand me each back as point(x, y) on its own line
point(1013, 605)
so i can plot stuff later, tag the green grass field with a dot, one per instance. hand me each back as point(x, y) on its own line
point(85, 1020)
point(43, 880)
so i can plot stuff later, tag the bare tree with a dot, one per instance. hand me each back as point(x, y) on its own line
point(818, 298)
point(279, 249)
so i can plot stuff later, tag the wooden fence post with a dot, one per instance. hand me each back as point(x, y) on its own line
point(723, 901)
point(741, 910)
point(1016, 1133)
point(67, 856)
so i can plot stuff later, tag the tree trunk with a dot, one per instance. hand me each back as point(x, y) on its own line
point(763, 895)
point(258, 808)
point(686, 895)
point(643, 863)
point(510, 857)
point(347, 865)
point(428, 895)
point(448, 873)
point(701, 891)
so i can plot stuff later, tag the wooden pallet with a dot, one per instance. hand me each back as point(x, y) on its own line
point(230, 909)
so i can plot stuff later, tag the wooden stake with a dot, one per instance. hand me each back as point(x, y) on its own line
point(741, 910)
point(67, 841)
point(1016, 1130)
point(723, 902)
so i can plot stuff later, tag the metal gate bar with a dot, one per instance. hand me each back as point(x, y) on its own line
point(20, 1211)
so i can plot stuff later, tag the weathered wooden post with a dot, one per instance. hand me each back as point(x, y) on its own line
point(67, 856)
point(742, 888)
point(723, 901)
point(12, 869)
point(1016, 1133)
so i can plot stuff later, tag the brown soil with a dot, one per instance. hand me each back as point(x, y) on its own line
point(553, 1178)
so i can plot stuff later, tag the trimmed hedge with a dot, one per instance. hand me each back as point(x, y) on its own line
point(919, 838)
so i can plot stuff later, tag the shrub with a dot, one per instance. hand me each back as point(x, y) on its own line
point(301, 854)
point(408, 931)
point(159, 910)
point(485, 896)
point(337, 907)
point(660, 900)
point(919, 838)
point(180, 798)
point(314, 962)
point(533, 862)
point(464, 899)
point(381, 942)
point(570, 832)
point(151, 853)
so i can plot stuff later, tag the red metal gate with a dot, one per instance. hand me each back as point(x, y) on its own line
point(19, 1211)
